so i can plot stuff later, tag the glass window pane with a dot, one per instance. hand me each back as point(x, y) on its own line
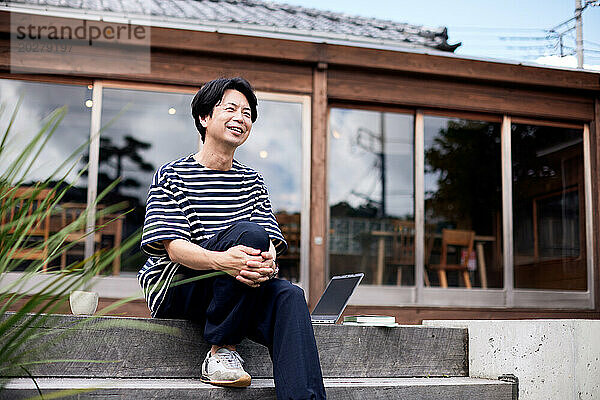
point(548, 204)
point(152, 128)
point(371, 195)
point(274, 149)
point(142, 131)
point(39, 100)
point(463, 203)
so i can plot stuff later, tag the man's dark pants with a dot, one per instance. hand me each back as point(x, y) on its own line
point(274, 314)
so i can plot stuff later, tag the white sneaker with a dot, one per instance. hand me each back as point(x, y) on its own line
point(224, 368)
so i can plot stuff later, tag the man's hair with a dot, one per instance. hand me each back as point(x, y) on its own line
point(211, 94)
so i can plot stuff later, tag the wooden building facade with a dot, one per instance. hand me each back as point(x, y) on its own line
point(435, 143)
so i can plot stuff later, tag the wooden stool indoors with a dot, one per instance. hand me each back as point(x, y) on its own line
point(458, 239)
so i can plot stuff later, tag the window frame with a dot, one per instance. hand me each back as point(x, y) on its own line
point(418, 295)
point(508, 296)
point(303, 100)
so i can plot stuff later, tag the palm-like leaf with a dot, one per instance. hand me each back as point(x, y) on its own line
point(20, 331)
point(23, 337)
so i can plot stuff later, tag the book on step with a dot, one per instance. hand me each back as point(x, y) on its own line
point(370, 319)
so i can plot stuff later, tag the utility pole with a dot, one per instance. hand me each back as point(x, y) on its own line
point(579, 29)
point(382, 210)
point(560, 40)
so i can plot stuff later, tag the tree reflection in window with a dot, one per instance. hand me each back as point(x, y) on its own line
point(465, 158)
point(463, 190)
point(142, 130)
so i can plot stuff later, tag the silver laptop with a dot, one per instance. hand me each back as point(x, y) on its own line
point(335, 298)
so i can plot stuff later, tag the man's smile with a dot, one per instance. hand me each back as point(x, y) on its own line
point(238, 130)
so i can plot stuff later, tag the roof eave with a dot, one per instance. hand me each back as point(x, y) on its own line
point(227, 27)
point(264, 32)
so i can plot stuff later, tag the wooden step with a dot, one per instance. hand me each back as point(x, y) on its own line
point(145, 348)
point(336, 388)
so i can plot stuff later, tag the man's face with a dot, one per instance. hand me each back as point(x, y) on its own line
point(231, 120)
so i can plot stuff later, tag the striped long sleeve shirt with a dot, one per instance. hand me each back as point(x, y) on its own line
point(189, 201)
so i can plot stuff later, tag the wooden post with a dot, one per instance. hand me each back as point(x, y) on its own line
point(595, 165)
point(318, 198)
point(482, 266)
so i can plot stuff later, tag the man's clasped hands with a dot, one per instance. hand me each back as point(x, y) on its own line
point(249, 266)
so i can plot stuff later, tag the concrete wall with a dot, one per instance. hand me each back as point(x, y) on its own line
point(553, 359)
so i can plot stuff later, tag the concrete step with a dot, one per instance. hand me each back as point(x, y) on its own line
point(337, 388)
point(175, 349)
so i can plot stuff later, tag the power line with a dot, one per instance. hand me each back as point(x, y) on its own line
point(530, 43)
point(487, 28)
point(529, 47)
point(524, 38)
point(590, 42)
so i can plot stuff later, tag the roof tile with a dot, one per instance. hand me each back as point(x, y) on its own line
point(187, 8)
point(132, 7)
point(112, 5)
point(268, 14)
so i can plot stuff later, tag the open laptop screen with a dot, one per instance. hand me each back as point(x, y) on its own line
point(337, 294)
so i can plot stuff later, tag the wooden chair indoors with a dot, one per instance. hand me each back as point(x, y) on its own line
point(429, 241)
point(112, 226)
point(36, 247)
point(290, 227)
point(69, 214)
point(458, 239)
point(403, 247)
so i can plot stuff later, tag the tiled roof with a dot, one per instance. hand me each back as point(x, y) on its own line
point(299, 21)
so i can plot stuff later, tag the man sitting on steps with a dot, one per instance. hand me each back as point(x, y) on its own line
point(208, 212)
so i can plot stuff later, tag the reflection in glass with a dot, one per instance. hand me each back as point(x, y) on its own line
point(152, 128)
point(371, 195)
point(38, 101)
point(547, 169)
point(463, 200)
point(142, 131)
point(274, 149)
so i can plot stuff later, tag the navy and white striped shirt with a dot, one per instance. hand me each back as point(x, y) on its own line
point(189, 201)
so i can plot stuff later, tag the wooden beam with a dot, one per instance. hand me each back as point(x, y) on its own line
point(81, 60)
point(449, 66)
point(167, 67)
point(403, 90)
point(595, 161)
point(195, 69)
point(150, 87)
point(67, 80)
point(404, 314)
point(318, 190)
point(239, 45)
point(455, 67)
point(463, 115)
point(416, 315)
point(538, 122)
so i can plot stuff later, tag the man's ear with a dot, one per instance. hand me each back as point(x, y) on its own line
point(203, 120)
